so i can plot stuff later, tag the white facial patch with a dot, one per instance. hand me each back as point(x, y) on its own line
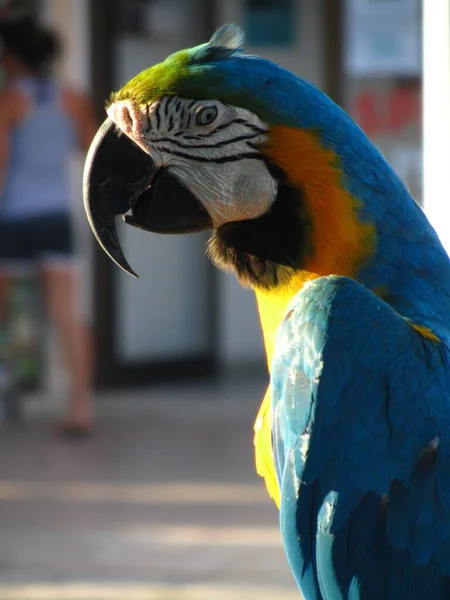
point(210, 147)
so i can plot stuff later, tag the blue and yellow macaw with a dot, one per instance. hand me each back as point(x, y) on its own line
point(353, 288)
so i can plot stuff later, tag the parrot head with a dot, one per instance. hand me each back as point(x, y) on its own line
point(216, 139)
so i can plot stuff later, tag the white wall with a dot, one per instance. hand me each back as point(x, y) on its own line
point(436, 118)
point(164, 314)
point(70, 18)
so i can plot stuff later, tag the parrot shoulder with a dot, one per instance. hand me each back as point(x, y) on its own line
point(361, 437)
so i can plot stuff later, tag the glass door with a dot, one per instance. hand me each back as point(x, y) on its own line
point(160, 326)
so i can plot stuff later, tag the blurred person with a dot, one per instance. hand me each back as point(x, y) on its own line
point(42, 123)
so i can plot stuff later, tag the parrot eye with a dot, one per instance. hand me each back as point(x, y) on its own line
point(206, 115)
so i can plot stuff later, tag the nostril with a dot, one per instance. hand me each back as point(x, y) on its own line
point(125, 117)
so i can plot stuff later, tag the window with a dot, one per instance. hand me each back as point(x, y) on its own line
point(270, 22)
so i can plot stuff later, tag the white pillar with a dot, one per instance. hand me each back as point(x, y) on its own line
point(436, 115)
point(70, 19)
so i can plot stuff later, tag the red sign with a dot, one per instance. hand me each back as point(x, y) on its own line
point(380, 113)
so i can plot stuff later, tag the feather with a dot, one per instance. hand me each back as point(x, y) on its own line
point(228, 36)
point(362, 434)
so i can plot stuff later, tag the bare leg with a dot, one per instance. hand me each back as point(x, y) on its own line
point(59, 288)
point(10, 399)
point(6, 278)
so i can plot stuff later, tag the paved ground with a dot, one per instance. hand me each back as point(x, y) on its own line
point(161, 503)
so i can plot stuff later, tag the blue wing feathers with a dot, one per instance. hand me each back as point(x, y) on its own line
point(362, 419)
point(304, 529)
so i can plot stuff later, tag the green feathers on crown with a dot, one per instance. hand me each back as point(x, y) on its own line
point(174, 74)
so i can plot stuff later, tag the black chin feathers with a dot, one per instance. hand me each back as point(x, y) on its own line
point(258, 249)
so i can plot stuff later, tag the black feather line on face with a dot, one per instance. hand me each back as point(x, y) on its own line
point(258, 249)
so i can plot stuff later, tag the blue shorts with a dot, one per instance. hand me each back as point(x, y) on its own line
point(33, 239)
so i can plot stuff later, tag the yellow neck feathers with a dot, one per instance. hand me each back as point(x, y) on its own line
point(341, 244)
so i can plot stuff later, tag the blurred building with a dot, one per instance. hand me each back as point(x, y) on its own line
point(182, 317)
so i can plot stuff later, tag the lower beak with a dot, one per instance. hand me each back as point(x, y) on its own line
point(119, 176)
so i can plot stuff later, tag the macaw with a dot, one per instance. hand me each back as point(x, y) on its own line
point(353, 289)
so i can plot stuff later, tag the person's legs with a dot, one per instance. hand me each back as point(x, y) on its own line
point(6, 279)
point(10, 399)
point(59, 283)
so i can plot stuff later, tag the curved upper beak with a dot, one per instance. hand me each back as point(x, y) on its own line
point(119, 176)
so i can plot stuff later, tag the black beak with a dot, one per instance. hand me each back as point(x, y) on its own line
point(119, 176)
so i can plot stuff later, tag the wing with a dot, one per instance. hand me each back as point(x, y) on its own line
point(361, 436)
